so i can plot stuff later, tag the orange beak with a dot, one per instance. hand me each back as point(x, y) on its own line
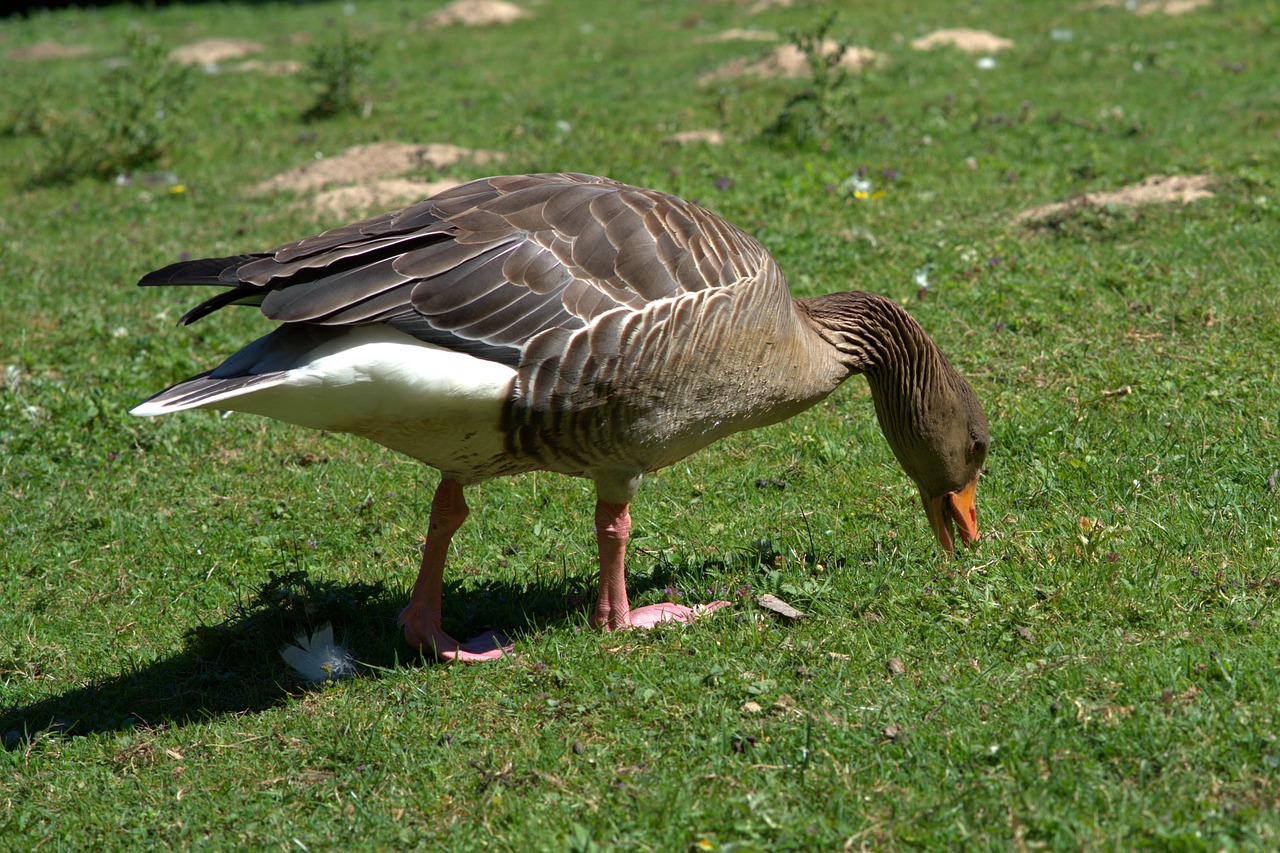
point(960, 508)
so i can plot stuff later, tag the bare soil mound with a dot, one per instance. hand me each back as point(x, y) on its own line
point(215, 50)
point(789, 61)
point(365, 163)
point(970, 41)
point(277, 67)
point(473, 13)
point(352, 202)
point(738, 34)
point(43, 50)
point(691, 137)
point(1156, 189)
point(1149, 7)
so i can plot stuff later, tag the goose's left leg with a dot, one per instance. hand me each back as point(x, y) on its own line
point(613, 612)
point(421, 618)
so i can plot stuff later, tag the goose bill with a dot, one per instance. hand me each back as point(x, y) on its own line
point(951, 511)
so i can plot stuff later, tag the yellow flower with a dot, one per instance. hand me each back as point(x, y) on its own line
point(178, 188)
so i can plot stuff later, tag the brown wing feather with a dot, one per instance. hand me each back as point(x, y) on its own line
point(487, 266)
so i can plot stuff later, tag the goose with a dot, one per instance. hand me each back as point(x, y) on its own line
point(574, 324)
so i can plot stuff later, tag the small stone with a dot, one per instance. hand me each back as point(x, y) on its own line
point(895, 667)
point(750, 707)
point(893, 732)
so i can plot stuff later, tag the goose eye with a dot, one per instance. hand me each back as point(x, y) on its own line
point(977, 449)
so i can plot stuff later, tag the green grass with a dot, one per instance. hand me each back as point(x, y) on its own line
point(1099, 672)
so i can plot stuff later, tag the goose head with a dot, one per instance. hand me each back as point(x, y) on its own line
point(943, 450)
point(927, 410)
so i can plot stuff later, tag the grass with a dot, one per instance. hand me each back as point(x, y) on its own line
point(1099, 672)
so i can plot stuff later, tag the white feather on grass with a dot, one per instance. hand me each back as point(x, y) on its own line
point(318, 657)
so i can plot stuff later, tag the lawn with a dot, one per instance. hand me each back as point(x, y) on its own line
point(1101, 670)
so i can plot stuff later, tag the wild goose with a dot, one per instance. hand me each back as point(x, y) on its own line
point(574, 324)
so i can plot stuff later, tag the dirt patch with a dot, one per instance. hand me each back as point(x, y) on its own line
point(276, 68)
point(352, 202)
point(213, 51)
point(1149, 7)
point(738, 34)
point(789, 61)
point(365, 163)
point(970, 41)
point(43, 50)
point(1156, 189)
point(473, 13)
point(691, 137)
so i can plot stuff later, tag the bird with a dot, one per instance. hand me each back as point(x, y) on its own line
point(574, 324)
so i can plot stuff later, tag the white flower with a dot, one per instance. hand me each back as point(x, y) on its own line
point(858, 185)
point(319, 658)
point(986, 63)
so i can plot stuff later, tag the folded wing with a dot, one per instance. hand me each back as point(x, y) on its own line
point(486, 267)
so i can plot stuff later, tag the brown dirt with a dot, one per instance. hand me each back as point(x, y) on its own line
point(789, 61)
point(970, 41)
point(347, 203)
point(43, 50)
point(1148, 7)
point(1156, 189)
point(690, 137)
point(277, 68)
point(213, 51)
point(738, 34)
point(365, 163)
point(473, 13)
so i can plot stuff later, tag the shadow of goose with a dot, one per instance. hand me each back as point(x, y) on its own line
point(235, 667)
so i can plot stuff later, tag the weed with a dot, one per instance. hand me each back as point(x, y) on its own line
point(139, 106)
point(129, 125)
point(30, 113)
point(336, 69)
point(822, 112)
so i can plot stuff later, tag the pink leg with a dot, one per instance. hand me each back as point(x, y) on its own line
point(421, 618)
point(613, 612)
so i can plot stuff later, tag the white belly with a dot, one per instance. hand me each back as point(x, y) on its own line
point(436, 405)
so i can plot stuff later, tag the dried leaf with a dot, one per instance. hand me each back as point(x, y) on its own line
point(779, 607)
